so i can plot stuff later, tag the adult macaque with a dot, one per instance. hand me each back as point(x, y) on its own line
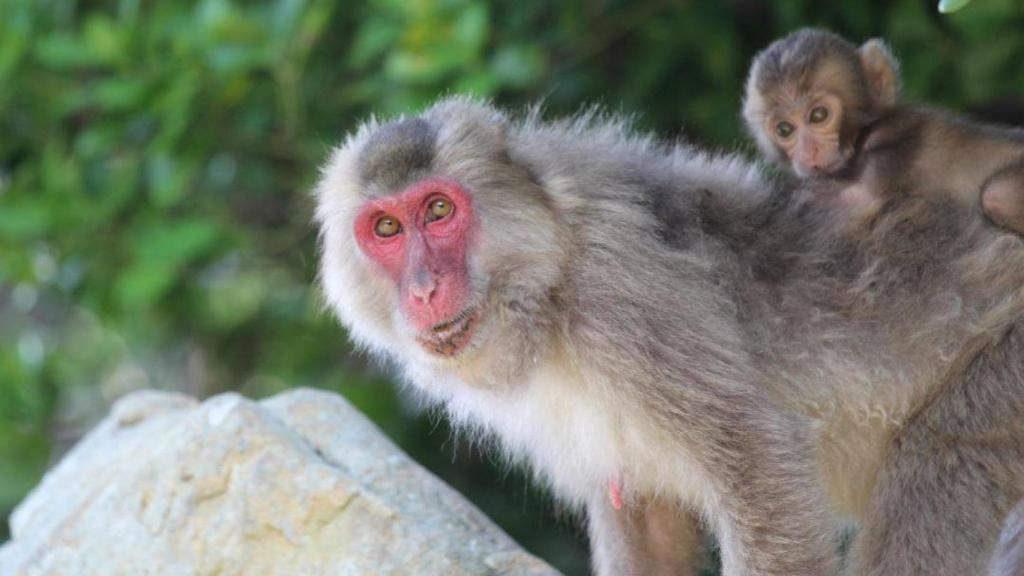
point(820, 106)
point(663, 336)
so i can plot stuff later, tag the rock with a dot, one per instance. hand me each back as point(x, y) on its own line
point(300, 484)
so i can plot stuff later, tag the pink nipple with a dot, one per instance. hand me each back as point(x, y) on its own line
point(615, 493)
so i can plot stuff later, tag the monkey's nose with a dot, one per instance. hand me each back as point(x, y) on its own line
point(814, 157)
point(423, 286)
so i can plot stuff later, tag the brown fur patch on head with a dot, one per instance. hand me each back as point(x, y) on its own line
point(796, 59)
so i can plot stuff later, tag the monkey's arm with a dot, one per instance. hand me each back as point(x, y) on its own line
point(773, 516)
point(654, 537)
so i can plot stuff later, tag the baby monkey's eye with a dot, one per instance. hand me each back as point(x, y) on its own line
point(818, 115)
point(438, 209)
point(387, 226)
point(784, 130)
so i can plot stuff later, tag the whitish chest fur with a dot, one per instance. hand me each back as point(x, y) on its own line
point(578, 434)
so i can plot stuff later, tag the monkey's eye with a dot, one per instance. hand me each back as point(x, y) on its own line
point(439, 208)
point(387, 226)
point(784, 130)
point(818, 115)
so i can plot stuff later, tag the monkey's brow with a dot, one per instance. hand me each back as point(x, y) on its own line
point(396, 152)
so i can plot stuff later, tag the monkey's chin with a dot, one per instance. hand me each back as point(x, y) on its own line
point(450, 338)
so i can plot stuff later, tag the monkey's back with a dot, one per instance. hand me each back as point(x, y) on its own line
point(731, 283)
point(831, 319)
point(927, 151)
point(688, 231)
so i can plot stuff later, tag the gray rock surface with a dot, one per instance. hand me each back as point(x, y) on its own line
point(299, 484)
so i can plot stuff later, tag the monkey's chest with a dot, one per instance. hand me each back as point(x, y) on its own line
point(578, 441)
point(569, 439)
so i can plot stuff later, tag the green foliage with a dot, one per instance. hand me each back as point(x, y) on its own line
point(156, 158)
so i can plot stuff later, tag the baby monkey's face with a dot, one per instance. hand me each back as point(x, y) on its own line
point(810, 94)
point(808, 132)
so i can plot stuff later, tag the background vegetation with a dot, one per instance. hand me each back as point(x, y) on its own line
point(156, 158)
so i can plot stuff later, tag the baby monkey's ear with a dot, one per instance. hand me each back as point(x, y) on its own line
point(882, 71)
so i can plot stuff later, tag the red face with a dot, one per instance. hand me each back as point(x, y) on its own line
point(420, 238)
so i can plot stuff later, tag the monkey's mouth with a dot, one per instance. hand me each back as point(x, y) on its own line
point(839, 165)
point(450, 337)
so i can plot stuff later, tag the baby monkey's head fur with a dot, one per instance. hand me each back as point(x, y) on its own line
point(810, 94)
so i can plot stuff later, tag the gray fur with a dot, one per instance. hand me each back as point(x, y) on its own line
point(797, 57)
point(672, 319)
point(397, 153)
point(914, 149)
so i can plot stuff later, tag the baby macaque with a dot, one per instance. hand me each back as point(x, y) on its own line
point(824, 108)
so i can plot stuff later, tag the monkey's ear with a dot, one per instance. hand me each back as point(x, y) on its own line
point(882, 71)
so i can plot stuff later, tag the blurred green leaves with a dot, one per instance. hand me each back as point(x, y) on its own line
point(426, 45)
point(161, 250)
